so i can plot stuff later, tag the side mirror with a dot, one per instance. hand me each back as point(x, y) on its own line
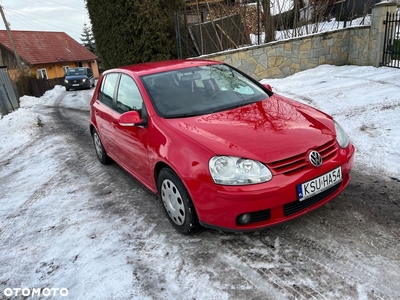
point(267, 86)
point(131, 118)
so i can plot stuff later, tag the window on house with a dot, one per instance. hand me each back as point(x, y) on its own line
point(65, 69)
point(42, 73)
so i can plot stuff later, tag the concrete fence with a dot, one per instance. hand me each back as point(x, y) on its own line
point(361, 45)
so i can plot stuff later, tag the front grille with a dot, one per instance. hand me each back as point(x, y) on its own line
point(258, 216)
point(297, 163)
point(295, 206)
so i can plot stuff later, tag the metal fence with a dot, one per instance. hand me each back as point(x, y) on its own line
point(391, 45)
point(8, 98)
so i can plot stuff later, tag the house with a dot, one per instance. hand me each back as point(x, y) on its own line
point(45, 54)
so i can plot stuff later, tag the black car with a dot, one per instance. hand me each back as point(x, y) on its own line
point(77, 78)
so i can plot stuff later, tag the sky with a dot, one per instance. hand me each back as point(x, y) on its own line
point(60, 230)
point(46, 15)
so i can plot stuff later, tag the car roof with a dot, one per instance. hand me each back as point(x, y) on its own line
point(164, 66)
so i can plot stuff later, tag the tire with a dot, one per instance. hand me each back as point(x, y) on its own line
point(99, 148)
point(176, 202)
point(67, 89)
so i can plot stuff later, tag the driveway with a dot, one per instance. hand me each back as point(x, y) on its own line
point(96, 231)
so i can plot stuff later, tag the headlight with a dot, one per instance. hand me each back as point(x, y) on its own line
point(66, 81)
point(84, 80)
point(232, 170)
point(341, 135)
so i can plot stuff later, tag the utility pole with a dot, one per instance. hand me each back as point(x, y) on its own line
point(11, 38)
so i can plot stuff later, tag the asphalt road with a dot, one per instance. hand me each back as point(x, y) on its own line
point(347, 249)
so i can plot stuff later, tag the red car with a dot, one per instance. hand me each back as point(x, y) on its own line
point(220, 149)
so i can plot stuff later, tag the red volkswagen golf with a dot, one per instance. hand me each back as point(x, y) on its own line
point(218, 147)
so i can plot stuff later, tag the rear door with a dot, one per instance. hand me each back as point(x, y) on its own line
point(104, 110)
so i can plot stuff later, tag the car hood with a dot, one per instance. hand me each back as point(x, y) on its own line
point(269, 130)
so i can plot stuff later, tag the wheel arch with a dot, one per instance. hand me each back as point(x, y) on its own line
point(161, 165)
point(157, 169)
point(91, 128)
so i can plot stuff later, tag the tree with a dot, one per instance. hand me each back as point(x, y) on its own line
point(88, 39)
point(133, 31)
point(268, 21)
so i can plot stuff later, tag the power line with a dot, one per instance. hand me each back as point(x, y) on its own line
point(21, 15)
point(55, 4)
point(23, 20)
point(23, 12)
point(34, 21)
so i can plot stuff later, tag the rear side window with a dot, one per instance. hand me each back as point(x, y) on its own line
point(107, 89)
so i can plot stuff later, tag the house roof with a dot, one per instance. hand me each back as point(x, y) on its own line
point(38, 47)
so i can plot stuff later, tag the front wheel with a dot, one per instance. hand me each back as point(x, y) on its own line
point(176, 202)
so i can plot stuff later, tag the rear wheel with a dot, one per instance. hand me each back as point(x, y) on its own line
point(176, 202)
point(100, 151)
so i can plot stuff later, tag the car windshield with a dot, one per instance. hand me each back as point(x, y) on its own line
point(200, 90)
point(79, 71)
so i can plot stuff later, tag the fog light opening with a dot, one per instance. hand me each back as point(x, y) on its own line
point(244, 219)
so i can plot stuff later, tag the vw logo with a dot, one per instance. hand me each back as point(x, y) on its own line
point(315, 158)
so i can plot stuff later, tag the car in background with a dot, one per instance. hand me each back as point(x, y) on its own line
point(219, 148)
point(79, 78)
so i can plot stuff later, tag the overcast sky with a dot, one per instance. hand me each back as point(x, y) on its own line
point(46, 15)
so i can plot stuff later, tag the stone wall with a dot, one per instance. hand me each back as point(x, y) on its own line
point(361, 45)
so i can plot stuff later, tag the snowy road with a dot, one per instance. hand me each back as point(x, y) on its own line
point(69, 222)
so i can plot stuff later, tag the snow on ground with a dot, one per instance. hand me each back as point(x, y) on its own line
point(22, 125)
point(365, 100)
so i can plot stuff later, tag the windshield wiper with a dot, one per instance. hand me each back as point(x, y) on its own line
point(186, 115)
point(230, 107)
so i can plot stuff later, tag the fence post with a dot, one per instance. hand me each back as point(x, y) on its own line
point(377, 34)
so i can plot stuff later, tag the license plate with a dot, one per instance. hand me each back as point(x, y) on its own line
point(319, 184)
point(75, 84)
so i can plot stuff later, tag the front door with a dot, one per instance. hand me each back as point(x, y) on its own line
point(131, 142)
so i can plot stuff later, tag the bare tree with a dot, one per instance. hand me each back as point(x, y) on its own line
point(268, 22)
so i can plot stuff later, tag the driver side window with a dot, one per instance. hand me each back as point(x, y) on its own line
point(128, 96)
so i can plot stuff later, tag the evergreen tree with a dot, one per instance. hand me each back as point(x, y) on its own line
point(88, 39)
point(133, 31)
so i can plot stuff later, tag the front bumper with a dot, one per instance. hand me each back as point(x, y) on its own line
point(269, 203)
point(77, 85)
